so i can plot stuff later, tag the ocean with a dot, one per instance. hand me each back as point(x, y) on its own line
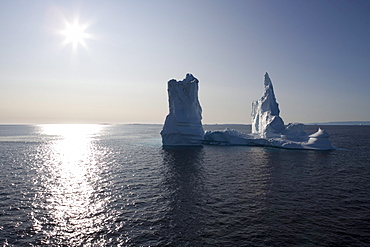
point(114, 185)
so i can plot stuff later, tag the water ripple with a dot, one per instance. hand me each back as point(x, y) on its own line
point(116, 186)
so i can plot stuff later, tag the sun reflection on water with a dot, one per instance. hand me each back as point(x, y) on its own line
point(69, 179)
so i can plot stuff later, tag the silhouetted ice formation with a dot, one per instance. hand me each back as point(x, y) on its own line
point(183, 124)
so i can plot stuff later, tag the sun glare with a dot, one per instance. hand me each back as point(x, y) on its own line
point(75, 34)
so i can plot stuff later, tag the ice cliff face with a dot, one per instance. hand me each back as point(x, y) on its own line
point(266, 122)
point(183, 124)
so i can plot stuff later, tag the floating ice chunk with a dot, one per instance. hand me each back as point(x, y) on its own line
point(320, 134)
point(183, 124)
point(319, 140)
point(266, 122)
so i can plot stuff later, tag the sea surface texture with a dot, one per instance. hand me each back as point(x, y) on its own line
point(114, 185)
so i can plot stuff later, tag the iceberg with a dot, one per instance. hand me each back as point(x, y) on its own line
point(266, 121)
point(183, 124)
point(268, 128)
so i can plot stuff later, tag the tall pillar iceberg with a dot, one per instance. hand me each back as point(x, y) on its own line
point(266, 122)
point(183, 124)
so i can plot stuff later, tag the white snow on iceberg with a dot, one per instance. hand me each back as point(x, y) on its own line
point(183, 124)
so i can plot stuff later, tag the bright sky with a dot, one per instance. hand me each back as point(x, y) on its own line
point(109, 61)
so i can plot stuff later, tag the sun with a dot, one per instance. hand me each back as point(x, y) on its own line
point(75, 33)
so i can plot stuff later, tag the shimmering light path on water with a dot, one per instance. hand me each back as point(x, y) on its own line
point(98, 185)
point(68, 177)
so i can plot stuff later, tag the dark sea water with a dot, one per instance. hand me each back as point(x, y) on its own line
point(114, 185)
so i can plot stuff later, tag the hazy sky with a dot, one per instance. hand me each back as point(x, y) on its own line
point(317, 54)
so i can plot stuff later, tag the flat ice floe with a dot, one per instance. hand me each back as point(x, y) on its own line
point(230, 137)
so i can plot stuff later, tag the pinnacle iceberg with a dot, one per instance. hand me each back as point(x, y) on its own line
point(183, 124)
point(266, 122)
point(268, 128)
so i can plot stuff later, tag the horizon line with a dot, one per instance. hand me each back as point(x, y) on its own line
point(365, 122)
